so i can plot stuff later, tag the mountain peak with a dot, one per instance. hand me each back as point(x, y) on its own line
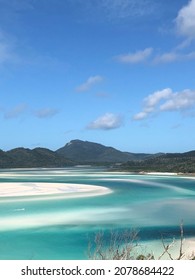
point(90, 152)
point(75, 141)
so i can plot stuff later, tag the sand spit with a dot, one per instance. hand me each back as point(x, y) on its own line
point(36, 188)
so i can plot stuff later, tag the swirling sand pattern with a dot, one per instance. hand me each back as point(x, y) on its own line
point(46, 214)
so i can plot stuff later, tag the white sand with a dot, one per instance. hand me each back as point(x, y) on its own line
point(189, 247)
point(34, 188)
point(156, 248)
point(161, 173)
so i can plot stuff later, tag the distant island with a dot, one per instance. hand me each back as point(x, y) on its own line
point(77, 152)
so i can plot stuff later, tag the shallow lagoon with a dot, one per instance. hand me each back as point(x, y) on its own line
point(56, 226)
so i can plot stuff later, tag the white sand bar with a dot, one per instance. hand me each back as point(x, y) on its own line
point(34, 188)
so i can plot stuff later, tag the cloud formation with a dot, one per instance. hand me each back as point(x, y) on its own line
point(166, 100)
point(91, 81)
point(137, 57)
point(22, 108)
point(167, 57)
point(106, 122)
point(116, 10)
point(179, 101)
point(185, 21)
point(15, 112)
point(185, 26)
point(174, 56)
point(151, 57)
point(46, 113)
point(127, 8)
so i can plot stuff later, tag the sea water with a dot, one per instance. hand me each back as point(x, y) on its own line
point(57, 227)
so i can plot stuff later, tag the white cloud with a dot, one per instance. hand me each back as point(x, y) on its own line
point(166, 100)
point(186, 43)
point(106, 122)
point(167, 57)
point(46, 113)
point(20, 109)
point(136, 57)
point(185, 26)
point(127, 8)
point(140, 116)
point(173, 56)
point(185, 21)
point(179, 101)
point(153, 99)
point(91, 81)
point(115, 10)
point(149, 55)
point(15, 112)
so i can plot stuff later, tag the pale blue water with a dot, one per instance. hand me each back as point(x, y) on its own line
point(60, 228)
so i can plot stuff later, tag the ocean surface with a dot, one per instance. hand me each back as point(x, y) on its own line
point(56, 227)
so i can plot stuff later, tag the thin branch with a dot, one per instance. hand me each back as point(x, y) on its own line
point(166, 249)
point(181, 254)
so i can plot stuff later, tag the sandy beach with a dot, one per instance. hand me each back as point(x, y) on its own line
point(155, 247)
point(35, 189)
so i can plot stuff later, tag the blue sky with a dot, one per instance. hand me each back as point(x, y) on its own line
point(116, 72)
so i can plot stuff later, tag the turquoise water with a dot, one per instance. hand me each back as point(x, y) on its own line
point(57, 227)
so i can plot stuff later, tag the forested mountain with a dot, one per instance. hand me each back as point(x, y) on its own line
point(84, 152)
point(26, 158)
point(171, 162)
